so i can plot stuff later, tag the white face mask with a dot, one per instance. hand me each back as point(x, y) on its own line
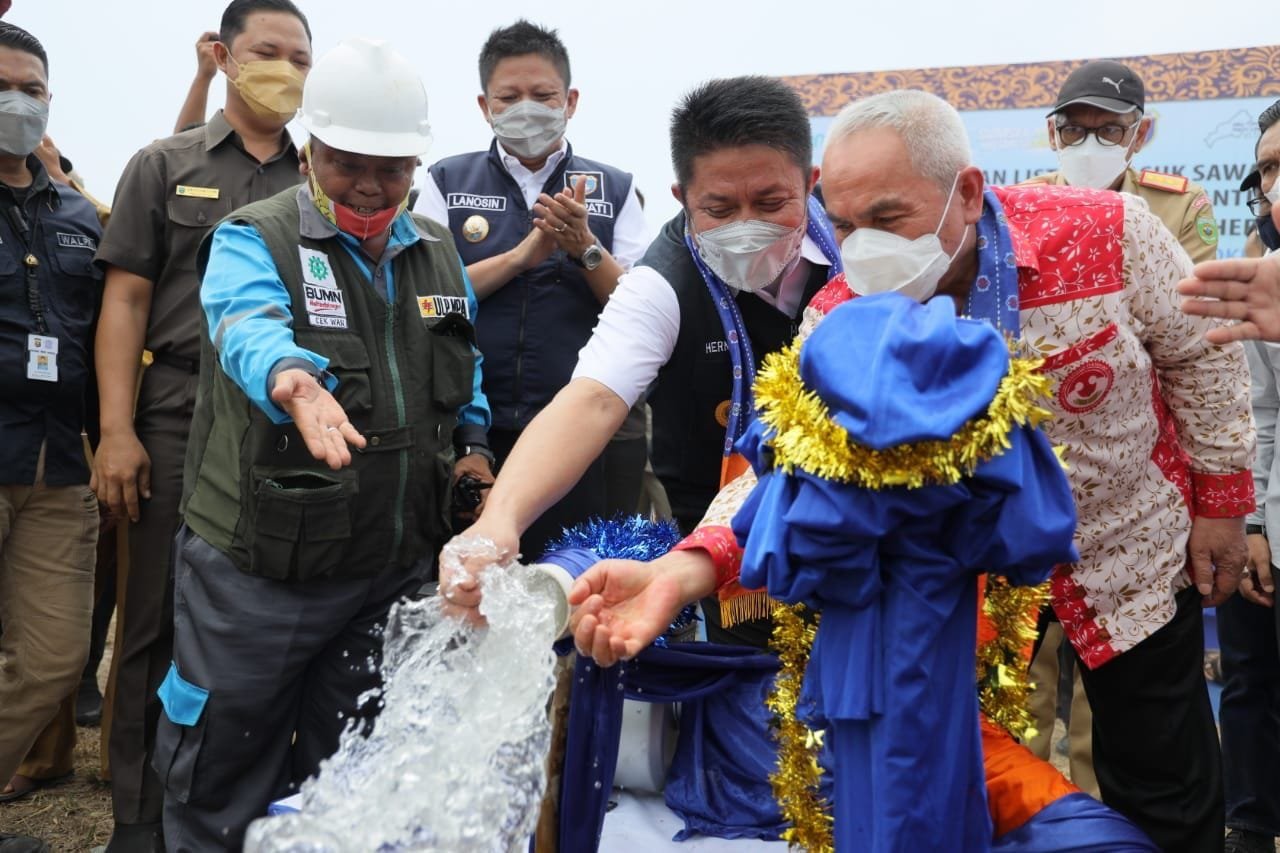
point(1092, 164)
point(528, 129)
point(1273, 195)
point(882, 262)
point(750, 255)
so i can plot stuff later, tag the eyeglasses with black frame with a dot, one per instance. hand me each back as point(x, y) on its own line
point(1259, 205)
point(1108, 134)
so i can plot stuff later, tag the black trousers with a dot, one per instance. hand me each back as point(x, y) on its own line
point(163, 422)
point(1155, 744)
point(586, 499)
point(1250, 715)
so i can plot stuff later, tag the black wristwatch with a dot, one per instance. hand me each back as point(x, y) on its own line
point(1255, 530)
point(592, 257)
point(478, 450)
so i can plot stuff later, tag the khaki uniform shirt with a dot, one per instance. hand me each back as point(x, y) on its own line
point(171, 193)
point(1176, 201)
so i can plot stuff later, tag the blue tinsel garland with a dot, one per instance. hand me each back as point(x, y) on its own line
point(628, 537)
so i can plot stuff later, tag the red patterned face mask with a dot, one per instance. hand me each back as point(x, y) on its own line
point(362, 226)
point(344, 218)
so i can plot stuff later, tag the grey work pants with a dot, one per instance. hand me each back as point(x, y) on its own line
point(283, 664)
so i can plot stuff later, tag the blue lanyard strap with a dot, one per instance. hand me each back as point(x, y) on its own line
point(994, 294)
point(820, 232)
point(737, 340)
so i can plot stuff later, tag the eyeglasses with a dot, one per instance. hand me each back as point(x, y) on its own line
point(1259, 205)
point(1108, 134)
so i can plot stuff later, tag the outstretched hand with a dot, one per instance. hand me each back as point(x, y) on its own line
point(621, 607)
point(318, 417)
point(1243, 289)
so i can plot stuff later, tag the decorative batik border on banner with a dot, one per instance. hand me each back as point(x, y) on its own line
point(1205, 75)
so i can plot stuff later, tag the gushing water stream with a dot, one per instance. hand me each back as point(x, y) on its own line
point(456, 760)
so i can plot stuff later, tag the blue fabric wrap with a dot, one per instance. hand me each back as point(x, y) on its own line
point(893, 571)
point(718, 781)
point(183, 701)
point(892, 371)
point(1076, 823)
point(575, 561)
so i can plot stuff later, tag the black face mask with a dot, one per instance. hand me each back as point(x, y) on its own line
point(1268, 233)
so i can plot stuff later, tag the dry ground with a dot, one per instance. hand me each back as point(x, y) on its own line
point(73, 817)
point(76, 816)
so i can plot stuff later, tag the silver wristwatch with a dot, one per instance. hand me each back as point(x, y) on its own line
point(592, 257)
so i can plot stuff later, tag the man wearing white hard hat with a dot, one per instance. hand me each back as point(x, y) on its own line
point(338, 376)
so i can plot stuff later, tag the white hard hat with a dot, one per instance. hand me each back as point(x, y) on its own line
point(365, 98)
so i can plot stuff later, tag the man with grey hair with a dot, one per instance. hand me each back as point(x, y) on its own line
point(1154, 422)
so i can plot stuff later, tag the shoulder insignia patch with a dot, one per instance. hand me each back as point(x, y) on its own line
point(1161, 181)
point(1208, 231)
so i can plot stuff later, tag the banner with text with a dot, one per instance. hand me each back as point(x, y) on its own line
point(1205, 107)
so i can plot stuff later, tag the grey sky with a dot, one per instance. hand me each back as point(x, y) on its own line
point(120, 68)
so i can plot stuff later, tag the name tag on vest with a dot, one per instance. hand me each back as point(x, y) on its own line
point(325, 307)
point(470, 201)
point(77, 241)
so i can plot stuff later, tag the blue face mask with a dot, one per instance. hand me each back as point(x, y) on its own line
point(23, 120)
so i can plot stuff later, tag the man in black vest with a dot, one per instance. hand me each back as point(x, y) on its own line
point(724, 284)
point(334, 319)
point(545, 234)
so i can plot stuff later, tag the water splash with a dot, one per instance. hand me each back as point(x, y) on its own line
point(456, 760)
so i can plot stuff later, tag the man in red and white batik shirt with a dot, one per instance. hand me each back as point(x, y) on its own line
point(1155, 424)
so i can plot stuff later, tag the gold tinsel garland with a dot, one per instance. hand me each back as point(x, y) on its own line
point(805, 437)
point(795, 782)
point(1003, 686)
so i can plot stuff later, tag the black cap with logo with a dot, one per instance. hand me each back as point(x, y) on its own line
point(1104, 84)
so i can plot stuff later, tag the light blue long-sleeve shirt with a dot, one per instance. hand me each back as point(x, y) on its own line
point(247, 307)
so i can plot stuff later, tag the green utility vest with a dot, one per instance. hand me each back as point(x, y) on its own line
point(254, 492)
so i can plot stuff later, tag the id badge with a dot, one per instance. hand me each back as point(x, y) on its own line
point(42, 358)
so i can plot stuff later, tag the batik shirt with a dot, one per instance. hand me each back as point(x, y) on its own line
point(1154, 421)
